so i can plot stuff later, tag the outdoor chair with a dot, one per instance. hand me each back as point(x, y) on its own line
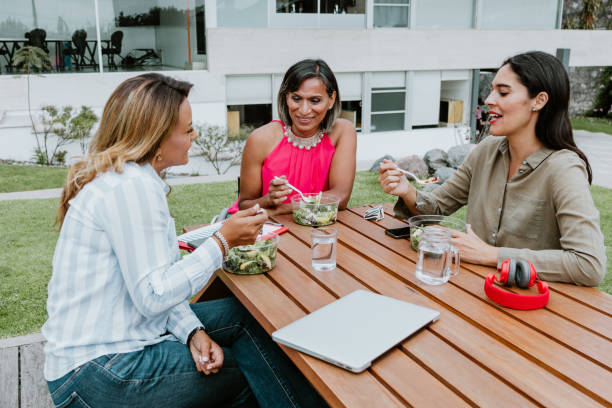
point(77, 53)
point(114, 48)
point(37, 38)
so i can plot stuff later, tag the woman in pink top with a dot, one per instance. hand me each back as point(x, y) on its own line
point(310, 147)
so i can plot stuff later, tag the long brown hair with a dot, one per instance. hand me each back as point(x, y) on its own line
point(137, 117)
point(542, 72)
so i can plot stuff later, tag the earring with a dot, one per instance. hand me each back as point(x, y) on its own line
point(533, 109)
point(158, 157)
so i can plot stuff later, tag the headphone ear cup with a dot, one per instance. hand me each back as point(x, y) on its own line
point(523, 274)
point(511, 272)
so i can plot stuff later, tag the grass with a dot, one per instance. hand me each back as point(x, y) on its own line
point(28, 241)
point(26, 178)
point(599, 125)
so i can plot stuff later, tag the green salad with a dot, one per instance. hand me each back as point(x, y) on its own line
point(415, 237)
point(251, 259)
point(315, 214)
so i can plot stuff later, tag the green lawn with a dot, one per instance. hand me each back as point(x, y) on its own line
point(26, 178)
point(28, 241)
point(592, 124)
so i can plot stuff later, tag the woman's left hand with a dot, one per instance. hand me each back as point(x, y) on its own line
point(472, 249)
point(207, 354)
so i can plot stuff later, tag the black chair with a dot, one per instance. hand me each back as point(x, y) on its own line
point(37, 38)
point(77, 54)
point(114, 48)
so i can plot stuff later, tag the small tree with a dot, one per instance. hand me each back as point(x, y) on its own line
point(29, 59)
point(54, 123)
point(217, 147)
point(80, 126)
point(60, 127)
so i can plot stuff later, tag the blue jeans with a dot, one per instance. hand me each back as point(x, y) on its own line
point(255, 371)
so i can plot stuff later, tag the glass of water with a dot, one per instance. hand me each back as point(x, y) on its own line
point(324, 242)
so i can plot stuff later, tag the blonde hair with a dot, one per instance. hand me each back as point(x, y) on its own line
point(137, 117)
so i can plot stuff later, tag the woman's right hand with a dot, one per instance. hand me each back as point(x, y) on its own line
point(277, 192)
point(393, 181)
point(243, 227)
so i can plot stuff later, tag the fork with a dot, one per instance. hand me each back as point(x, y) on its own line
point(418, 180)
point(306, 199)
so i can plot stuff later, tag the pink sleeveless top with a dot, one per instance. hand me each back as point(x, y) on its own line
point(307, 170)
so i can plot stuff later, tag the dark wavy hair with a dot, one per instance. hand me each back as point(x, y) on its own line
point(542, 72)
point(298, 73)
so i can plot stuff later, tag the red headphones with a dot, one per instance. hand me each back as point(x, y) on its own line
point(519, 273)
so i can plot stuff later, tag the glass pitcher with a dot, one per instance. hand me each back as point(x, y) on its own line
point(436, 255)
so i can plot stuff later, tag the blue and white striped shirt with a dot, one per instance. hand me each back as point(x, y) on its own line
point(118, 282)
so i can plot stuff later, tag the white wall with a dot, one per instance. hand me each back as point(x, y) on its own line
point(239, 51)
point(207, 98)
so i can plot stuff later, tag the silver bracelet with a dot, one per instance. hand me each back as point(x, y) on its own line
point(223, 241)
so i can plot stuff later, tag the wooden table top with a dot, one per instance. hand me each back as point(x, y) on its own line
point(476, 354)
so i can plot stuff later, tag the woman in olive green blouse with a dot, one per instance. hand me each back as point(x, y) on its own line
point(526, 187)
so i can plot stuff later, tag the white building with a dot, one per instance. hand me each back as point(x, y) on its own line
point(404, 67)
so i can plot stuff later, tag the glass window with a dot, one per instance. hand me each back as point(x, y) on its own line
point(387, 122)
point(296, 6)
point(351, 111)
point(391, 13)
point(166, 35)
point(51, 27)
point(388, 101)
point(388, 109)
point(323, 6)
point(242, 13)
point(445, 14)
point(342, 6)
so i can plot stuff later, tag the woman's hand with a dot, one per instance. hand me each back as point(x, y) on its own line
point(207, 354)
point(472, 249)
point(277, 192)
point(393, 181)
point(243, 227)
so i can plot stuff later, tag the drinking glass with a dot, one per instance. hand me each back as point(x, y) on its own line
point(436, 254)
point(324, 242)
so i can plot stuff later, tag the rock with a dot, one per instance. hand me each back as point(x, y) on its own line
point(435, 159)
point(376, 164)
point(428, 188)
point(444, 173)
point(457, 154)
point(415, 165)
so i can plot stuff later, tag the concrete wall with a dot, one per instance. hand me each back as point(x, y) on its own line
point(239, 51)
point(16, 139)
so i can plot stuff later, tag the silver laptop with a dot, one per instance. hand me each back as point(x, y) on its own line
point(355, 329)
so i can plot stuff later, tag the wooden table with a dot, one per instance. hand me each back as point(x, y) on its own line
point(476, 354)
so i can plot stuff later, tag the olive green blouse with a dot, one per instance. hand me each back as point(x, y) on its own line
point(544, 214)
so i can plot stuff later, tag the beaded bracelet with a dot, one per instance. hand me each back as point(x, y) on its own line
point(223, 241)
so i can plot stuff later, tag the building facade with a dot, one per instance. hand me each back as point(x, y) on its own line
point(407, 69)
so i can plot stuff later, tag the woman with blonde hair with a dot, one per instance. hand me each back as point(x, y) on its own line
point(119, 317)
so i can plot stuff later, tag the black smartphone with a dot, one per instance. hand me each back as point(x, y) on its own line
point(402, 232)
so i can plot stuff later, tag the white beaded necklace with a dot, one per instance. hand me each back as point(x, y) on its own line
point(303, 142)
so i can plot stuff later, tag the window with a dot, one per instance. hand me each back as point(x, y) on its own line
point(388, 109)
point(321, 6)
point(134, 35)
point(351, 110)
point(391, 13)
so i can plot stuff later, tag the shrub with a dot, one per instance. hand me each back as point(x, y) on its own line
point(218, 148)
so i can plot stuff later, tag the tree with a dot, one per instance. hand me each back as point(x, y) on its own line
point(217, 147)
point(28, 59)
point(60, 127)
point(80, 126)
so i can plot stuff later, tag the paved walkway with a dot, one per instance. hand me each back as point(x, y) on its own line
point(598, 149)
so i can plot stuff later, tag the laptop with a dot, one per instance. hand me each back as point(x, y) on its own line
point(355, 329)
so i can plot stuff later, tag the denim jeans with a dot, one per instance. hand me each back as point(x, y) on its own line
point(255, 371)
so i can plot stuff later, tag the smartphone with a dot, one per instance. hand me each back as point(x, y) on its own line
point(402, 232)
